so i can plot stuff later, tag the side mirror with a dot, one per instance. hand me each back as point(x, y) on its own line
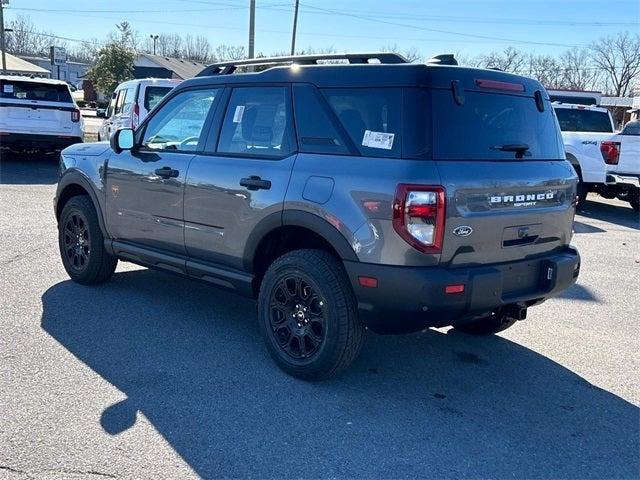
point(122, 139)
point(101, 113)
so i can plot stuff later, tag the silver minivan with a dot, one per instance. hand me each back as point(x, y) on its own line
point(132, 101)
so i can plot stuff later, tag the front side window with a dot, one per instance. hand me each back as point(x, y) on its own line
point(119, 101)
point(256, 123)
point(129, 95)
point(371, 116)
point(178, 124)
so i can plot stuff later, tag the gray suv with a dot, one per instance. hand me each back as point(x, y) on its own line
point(375, 193)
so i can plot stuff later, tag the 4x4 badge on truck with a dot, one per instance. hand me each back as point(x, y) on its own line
point(463, 231)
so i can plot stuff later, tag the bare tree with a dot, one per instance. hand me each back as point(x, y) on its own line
point(509, 60)
point(25, 39)
point(619, 59)
point(546, 69)
point(577, 72)
point(196, 48)
point(229, 52)
point(411, 54)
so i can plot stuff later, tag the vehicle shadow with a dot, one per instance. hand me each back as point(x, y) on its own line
point(428, 405)
point(607, 212)
point(28, 169)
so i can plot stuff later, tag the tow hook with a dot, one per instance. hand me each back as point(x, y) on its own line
point(518, 312)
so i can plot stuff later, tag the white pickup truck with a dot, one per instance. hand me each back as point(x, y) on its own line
point(621, 154)
point(585, 129)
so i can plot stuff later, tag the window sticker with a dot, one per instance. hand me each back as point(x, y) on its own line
point(378, 140)
point(237, 116)
point(7, 88)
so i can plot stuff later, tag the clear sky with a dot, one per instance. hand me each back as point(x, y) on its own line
point(468, 27)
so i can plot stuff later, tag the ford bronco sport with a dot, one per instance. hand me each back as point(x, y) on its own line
point(374, 194)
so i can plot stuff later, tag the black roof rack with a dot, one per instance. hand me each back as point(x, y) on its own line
point(226, 68)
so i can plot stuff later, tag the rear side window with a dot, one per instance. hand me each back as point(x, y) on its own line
point(43, 92)
point(257, 122)
point(316, 131)
point(487, 122)
point(153, 95)
point(371, 116)
point(577, 120)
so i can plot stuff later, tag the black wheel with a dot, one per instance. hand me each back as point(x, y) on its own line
point(487, 325)
point(82, 245)
point(634, 200)
point(582, 192)
point(308, 315)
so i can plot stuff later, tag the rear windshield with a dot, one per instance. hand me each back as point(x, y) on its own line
point(577, 120)
point(487, 123)
point(43, 92)
point(153, 95)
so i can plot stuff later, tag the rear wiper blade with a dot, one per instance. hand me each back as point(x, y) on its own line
point(512, 147)
point(520, 149)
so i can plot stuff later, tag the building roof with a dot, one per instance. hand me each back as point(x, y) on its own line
point(18, 65)
point(616, 101)
point(48, 60)
point(181, 68)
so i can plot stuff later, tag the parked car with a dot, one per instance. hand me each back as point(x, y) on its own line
point(390, 195)
point(131, 102)
point(584, 128)
point(37, 114)
point(621, 154)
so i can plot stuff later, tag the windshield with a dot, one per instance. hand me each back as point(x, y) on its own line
point(489, 126)
point(578, 120)
point(45, 92)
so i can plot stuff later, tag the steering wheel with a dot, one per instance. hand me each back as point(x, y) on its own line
point(188, 140)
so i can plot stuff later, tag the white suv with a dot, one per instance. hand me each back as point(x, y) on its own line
point(38, 114)
point(131, 102)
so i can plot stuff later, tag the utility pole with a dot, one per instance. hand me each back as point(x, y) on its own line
point(155, 39)
point(295, 28)
point(2, 43)
point(252, 26)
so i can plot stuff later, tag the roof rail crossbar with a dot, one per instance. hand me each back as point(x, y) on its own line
point(226, 68)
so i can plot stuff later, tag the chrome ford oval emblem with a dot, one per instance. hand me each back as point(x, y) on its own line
point(463, 231)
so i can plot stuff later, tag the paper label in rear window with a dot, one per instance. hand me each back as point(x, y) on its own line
point(378, 140)
point(7, 88)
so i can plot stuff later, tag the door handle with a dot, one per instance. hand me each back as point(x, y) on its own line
point(255, 183)
point(167, 172)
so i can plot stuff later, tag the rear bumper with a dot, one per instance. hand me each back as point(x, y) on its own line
point(623, 179)
point(414, 297)
point(28, 141)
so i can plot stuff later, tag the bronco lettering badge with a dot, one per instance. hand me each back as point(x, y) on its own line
point(521, 200)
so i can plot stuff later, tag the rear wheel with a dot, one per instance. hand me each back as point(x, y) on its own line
point(494, 323)
point(582, 192)
point(308, 315)
point(81, 243)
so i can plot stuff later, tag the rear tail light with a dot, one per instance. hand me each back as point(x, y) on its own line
point(610, 152)
point(135, 118)
point(75, 115)
point(418, 216)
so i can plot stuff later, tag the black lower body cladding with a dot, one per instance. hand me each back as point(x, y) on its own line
point(411, 298)
point(23, 142)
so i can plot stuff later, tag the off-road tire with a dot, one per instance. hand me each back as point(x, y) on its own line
point(98, 266)
point(486, 325)
point(582, 192)
point(343, 332)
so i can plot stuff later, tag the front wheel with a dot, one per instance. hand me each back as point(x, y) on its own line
point(81, 243)
point(308, 315)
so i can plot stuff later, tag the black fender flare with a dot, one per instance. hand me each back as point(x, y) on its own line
point(74, 177)
point(297, 218)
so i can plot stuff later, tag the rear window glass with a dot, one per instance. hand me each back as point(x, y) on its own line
point(371, 116)
point(487, 122)
point(153, 95)
point(576, 120)
point(43, 92)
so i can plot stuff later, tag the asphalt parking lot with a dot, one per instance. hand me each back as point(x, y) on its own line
point(153, 376)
